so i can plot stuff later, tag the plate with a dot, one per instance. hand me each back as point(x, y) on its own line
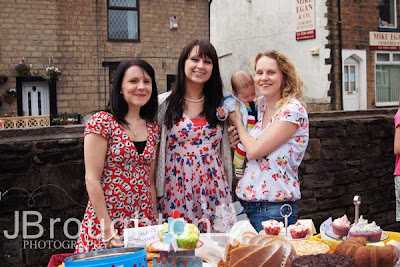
point(160, 246)
point(282, 233)
point(332, 235)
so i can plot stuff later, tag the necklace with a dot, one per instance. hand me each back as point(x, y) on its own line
point(136, 126)
point(194, 101)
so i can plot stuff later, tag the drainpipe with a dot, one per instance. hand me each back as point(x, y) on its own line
point(209, 20)
point(340, 74)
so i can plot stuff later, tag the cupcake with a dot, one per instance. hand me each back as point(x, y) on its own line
point(189, 237)
point(341, 226)
point(163, 230)
point(370, 231)
point(272, 227)
point(298, 230)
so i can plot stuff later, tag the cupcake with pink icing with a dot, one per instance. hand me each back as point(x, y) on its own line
point(341, 226)
point(370, 231)
point(272, 227)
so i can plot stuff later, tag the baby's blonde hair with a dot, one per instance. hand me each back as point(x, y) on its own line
point(292, 84)
point(241, 79)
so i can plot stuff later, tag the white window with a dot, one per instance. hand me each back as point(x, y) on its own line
point(387, 14)
point(387, 78)
point(123, 20)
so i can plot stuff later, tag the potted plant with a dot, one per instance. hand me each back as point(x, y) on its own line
point(3, 78)
point(10, 95)
point(52, 74)
point(22, 68)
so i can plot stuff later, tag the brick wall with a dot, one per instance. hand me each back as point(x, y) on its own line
point(74, 33)
point(41, 169)
point(358, 18)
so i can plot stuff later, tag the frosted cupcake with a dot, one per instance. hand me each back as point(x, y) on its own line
point(370, 231)
point(272, 227)
point(298, 230)
point(341, 226)
point(189, 237)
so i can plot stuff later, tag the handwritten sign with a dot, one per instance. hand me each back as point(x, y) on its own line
point(147, 234)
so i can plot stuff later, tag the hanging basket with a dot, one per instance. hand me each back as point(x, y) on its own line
point(9, 99)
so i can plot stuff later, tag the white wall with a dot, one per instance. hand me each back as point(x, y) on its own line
point(239, 29)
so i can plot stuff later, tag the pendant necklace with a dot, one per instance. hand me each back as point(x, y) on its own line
point(194, 101)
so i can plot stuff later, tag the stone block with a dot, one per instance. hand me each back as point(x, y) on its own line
point(313, 151)
point(317, 180)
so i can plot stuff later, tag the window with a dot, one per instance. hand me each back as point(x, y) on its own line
point(387, 14)
point(123, 20)
point(387, 78)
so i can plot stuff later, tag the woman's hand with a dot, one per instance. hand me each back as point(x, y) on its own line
point(112, 240)
point(233, 136)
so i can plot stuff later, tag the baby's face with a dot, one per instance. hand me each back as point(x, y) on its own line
point(246, 94)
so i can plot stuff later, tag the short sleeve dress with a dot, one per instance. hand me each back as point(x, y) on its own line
point(125, 181)
point(195, 179)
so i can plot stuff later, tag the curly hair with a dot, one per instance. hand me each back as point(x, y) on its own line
point(212, 88)
point(117, 105)
point(292, 84)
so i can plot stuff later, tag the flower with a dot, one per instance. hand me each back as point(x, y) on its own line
point(52, 73)
point(10, 93)
point(22, 68)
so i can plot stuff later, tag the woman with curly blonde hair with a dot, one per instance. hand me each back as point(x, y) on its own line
point(277, 143)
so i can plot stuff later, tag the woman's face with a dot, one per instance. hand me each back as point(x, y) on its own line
point(268, 77)
point(136, 86)
point(197, 69)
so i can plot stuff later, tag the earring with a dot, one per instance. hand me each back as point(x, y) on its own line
point(121, 92)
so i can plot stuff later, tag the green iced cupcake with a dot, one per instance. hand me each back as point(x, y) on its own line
point(189, 237)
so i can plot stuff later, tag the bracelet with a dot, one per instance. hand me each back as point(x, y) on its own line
point(111, 237)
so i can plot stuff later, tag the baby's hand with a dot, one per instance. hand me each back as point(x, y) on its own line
point(221, 112)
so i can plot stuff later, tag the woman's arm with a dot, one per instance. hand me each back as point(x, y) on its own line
point(153, 181)
point(397, 141)
point(95, 148)
point(276, 135)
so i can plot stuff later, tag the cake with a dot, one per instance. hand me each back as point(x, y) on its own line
point(298, 230)
point(370, 231)
point(341, 226)
point(272, 227)
point(309, 247)
point(189, 237)
point(366, 256)
point(326, 260)
point(260, 250)
point(163, 230)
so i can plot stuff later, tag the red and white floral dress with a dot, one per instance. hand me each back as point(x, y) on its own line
point(195, 180)
point(125, 181)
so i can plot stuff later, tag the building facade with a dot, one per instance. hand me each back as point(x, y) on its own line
point(85, 40)
point(346, 51)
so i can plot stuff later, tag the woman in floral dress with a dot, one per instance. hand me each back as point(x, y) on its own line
point(119, 148)
point(277, 143)
point(194, 165)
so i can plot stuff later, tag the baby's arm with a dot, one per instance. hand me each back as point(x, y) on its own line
point(222, 113)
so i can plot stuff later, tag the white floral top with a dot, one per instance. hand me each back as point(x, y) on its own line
point(274, 177)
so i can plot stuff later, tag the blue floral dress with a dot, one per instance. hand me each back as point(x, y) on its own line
point(195, 180)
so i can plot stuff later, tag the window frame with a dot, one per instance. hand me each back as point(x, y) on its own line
point(395, 17)
point(122, 8)
point(389, 62)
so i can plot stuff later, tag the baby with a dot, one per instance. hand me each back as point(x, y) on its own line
point(243, 91)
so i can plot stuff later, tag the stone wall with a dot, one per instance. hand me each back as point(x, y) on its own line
point(41, 170)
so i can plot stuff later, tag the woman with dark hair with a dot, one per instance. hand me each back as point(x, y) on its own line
point(119, 150)
point(194, 167)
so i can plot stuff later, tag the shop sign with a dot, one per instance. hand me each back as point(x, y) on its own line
point(305, 20)
point(384, 40)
